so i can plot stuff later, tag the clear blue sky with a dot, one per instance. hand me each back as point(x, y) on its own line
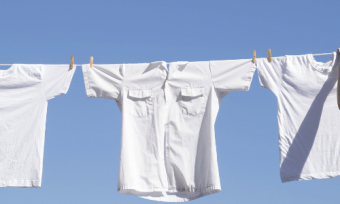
point(82, 145)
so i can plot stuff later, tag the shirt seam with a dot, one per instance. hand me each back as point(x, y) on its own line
point(260, 75)
point(310, 176)
point(68, 79)
point(41, 82)
point(121, 86)
point(87, 82)
point(169, 189)
point(19, 180)
point(212, 81)
point(249, 77)
point(202, 192)
point(279, 101)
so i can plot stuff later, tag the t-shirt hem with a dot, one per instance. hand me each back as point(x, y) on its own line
point(310, 176)
point(249, 77)
point(261, 76)
point(21, 183)
point(89, 94)
point(68, 80)
point(140, 192)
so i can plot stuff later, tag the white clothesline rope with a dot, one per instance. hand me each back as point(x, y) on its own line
point(79, 65)
point(76, 65)
point(323, 54)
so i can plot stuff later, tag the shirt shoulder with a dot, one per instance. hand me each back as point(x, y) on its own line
point(33, 72)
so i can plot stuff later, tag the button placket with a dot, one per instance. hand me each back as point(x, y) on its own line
point(166, 130)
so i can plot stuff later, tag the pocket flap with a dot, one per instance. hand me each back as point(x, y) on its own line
point(138, 93)
point(192, 92)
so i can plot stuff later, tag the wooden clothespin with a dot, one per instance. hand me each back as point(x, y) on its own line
point(91, 61)
point(72, 62)
point(338, 91)
point(254, 56)
point(269, 55)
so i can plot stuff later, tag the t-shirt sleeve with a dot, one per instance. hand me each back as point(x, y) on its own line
point(232, 75)
point(103, 81)
point(270, 73)
point(56, 80)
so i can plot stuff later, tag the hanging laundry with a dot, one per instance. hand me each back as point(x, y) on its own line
point(308, 116)
point(24, 94)
point(168, 148)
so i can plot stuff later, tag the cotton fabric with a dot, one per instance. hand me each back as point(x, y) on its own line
point(168, 148)
point(308, 116)
point(24, 94)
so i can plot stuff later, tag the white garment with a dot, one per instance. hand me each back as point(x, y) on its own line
point(24, 94)
point(308, 116)
point(168, 148)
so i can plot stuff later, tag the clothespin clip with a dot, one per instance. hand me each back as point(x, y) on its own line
point(72, 62)
point(254, 56)
point(91, 61)
point(269, 55)
point(338, 91)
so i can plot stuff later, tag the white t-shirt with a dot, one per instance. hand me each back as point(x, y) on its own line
point(168, 148)
point(308, 116)
point(24, 93)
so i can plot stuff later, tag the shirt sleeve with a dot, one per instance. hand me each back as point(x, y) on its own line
point(56, 80)
point(103, 81)
point(270, 73)
point(232, 75)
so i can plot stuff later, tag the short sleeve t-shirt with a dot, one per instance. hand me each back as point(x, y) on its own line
point(308, 116)
point(24, 94)
point(168, 148)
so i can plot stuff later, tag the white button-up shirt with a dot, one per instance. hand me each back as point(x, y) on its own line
point(168, 148)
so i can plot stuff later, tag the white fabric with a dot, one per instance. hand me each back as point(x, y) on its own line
point(168, 148)
point(24, 94)
point(308, 116)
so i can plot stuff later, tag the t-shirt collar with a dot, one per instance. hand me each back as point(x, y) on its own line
point(7, 72)
point(323, 67)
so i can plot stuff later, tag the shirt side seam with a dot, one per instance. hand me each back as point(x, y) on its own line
point(41, 82)
point(281, 128)
point(212, 81)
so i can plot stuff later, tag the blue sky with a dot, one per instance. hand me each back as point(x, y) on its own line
point(82, 145)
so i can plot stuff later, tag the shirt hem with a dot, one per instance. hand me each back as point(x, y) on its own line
point(310, 176)
point(21, 183)
point(249, 77)
point(86, 81)
point(68, 80)
point(141, 192)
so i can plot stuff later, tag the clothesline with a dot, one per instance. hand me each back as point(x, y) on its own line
point(79, 65)
point(76, 65)
point(322, 54)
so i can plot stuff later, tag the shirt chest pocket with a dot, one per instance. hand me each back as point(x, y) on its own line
point(140, 102)
point(192, 101)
